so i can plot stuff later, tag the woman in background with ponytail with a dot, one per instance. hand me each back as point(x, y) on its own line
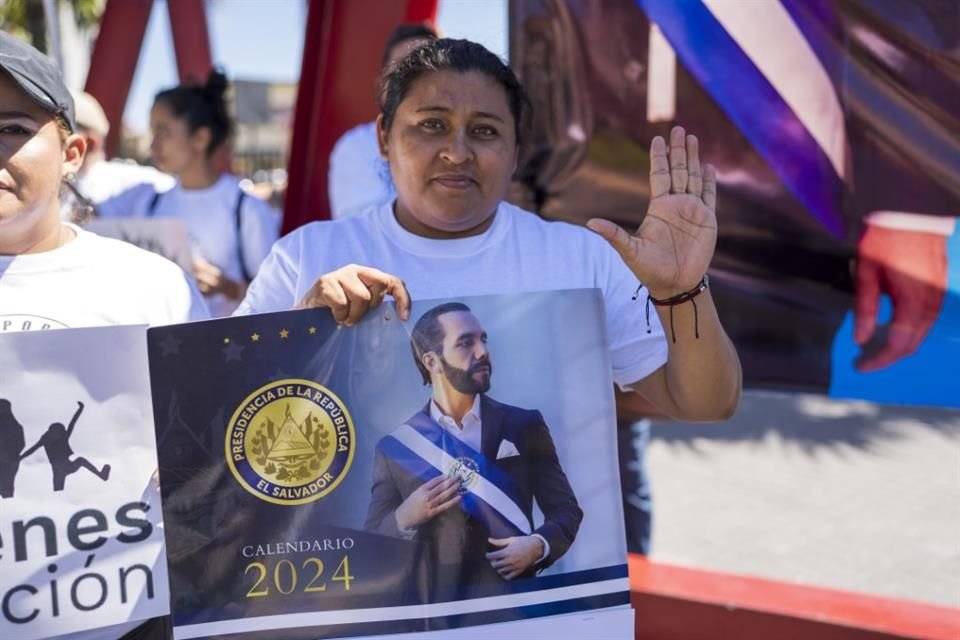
point(232, 232)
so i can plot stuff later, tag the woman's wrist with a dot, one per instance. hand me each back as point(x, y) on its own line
point(679, 297)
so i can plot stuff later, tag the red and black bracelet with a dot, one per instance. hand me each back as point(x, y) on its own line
point(672, 301)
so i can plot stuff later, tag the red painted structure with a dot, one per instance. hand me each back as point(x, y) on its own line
point(114, 59)
point(191, 39)
point(341, 60)
point(677, 603)
point(117, 50)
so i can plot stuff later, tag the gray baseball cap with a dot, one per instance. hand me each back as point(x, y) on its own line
point(36, 74)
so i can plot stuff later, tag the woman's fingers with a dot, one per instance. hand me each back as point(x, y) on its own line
point(392, 285)
point(353, 290)
point(678, 160)
point(710, 187)
point(659, 168)
point(694, 176)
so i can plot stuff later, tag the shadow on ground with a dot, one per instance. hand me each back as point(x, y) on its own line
point(813, 423)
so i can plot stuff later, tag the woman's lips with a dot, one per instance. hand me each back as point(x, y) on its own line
point(455, 181)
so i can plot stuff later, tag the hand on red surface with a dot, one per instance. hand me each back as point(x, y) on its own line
point(911, 268)
point(673, 247)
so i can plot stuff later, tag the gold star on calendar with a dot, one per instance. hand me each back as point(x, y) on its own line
point(255, 337)
point(312, 330)
point(284, 334)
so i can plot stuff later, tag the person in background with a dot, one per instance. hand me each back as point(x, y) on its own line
point(231, 231)
point(359, 176)
point(54, 274)
point(100, 179)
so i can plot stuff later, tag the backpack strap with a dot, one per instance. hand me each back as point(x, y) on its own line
point(238, 220)
point(154, 201)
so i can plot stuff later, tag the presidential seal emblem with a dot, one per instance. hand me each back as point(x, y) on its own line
point(467, 470)
point(290, 442)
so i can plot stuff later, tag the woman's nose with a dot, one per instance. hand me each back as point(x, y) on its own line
point(457, 150)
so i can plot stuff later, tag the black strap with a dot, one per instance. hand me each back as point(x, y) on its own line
point(238, 222)
point(238, 217)
point(152, 207)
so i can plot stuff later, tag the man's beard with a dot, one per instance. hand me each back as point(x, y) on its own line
point(468, 381)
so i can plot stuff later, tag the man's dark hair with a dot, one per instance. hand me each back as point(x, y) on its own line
point(428, 334)
point(460, 56)
point(201, 106)
point(404, 32)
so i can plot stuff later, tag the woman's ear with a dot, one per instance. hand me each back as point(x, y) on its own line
point(200, 140)
point(381, 137)
point(74, 148)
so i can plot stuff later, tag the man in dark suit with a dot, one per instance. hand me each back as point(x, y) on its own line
point(462, 474)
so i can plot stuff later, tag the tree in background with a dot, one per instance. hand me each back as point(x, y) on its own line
point(26, 19)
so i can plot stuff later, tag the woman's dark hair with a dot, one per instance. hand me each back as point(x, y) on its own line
point(201, 106)
point(461, 56)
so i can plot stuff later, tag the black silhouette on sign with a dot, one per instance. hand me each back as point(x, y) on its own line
point(56, 443)
point(11, 444)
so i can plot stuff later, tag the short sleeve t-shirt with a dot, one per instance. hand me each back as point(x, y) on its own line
point(210, 216)
point(94, 281)
point(519, 253)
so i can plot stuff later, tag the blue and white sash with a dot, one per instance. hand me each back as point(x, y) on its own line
point(423, 448)
point(715, 58)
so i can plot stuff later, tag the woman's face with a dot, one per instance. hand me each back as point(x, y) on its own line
point(173, 148)
point(33, 162)
point(452, 151)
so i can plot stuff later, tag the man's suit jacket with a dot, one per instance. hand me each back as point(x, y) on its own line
point(455, 543)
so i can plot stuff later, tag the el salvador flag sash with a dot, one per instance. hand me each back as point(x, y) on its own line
point(423, 448)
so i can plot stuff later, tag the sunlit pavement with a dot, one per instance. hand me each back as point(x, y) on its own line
point(840, 494)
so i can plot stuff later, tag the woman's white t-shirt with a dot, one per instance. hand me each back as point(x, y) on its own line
point(94, 281)
point(210, 216)
point(519, 253)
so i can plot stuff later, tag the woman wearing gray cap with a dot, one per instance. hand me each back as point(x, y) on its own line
point(53, 274)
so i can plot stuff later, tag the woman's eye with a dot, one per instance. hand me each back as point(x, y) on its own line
point(485, 130)
point(14, 130)
point(432, 125)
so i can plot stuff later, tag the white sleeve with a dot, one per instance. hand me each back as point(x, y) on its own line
point(180, 299)
point(358, 177)
point(638, 347)
point(337, 178)
point(259, 229)
point(131, 203)
point(197, 308)
point(275, 286)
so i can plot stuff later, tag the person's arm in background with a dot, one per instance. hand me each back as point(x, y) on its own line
point(130, 203)
point(259, 230)
point(358, 177)
point(903, 255)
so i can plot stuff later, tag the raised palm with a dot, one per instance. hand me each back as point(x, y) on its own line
point(673, 247)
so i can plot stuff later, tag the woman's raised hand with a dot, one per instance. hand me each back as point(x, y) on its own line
point(672, 249)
